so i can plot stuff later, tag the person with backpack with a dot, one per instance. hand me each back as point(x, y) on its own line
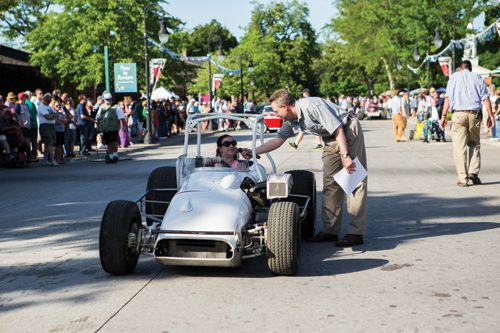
point(108, 120)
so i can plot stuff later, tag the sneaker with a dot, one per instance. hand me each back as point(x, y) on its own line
point(101, 146)
point(318, 147)
point(115, 159)
point(108, 159)
point(54, 163)
point(45, 163)
point(293, 145)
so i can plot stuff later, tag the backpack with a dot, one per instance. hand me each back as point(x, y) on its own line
point(109, 121)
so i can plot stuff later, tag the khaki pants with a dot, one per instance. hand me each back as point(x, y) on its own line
point(466, 145)
point(333, 195)
point(398, 126)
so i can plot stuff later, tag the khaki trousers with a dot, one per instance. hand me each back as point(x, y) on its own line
point(333, 195)
point(466, 146)
point(398, 126)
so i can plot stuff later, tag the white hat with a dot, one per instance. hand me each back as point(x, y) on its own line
point(107, 96)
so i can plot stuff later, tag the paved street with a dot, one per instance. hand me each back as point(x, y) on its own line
point(430, 262)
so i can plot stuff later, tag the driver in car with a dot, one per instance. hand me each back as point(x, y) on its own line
point(227, 152)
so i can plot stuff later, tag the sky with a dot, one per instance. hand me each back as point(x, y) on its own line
point(235, 14)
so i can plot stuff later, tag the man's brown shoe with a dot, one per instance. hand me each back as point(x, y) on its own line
point(350, 240)
point(475, 179)
point(323, 237)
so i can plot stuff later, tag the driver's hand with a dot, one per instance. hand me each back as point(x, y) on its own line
point(245, 153)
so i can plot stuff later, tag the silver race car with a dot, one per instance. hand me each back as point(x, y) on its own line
point(201, 214)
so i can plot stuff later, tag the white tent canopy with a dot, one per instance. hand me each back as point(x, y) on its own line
point(162, 93)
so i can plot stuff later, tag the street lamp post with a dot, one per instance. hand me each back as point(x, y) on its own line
point(252, 82)
point(241, 80)
point(163, 36)
point(210, 66)
point(210, 124)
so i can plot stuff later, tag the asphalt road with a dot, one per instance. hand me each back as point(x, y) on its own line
point(430, 262)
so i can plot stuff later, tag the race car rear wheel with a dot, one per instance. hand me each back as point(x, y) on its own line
point(118, 237)
point(164, 177)
point(283, 238)
point(304, 183)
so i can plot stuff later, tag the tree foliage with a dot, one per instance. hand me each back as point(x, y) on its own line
point(69, 45)
point(282, 45)
point(212, 35)
point(19, 17)
point(379, 31)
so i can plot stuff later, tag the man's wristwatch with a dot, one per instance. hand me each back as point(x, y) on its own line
point(344, 155)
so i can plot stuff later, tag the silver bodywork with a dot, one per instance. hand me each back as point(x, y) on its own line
point(210, 220)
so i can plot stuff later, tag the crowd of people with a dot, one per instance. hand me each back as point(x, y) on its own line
point(425, 107)
point(48, 126)
point(28, 120)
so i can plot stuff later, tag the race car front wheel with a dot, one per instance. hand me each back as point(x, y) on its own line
point(118, 238)
point(283, 238)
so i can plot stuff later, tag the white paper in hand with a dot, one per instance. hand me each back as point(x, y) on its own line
point(349, 181)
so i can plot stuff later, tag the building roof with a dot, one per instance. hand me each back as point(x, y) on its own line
point(10, 56)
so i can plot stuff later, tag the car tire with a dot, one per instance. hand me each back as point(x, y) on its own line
point(163, 177)
point(120, 223)
point(283, 238)
point(304, 183)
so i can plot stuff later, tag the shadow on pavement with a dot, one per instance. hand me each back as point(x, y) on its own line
point(395, 219)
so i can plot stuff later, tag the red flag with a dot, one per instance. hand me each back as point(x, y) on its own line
point(445, 62)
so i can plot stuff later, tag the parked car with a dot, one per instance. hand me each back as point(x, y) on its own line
point(374, 110)
point(200, 214)
point(271, 120)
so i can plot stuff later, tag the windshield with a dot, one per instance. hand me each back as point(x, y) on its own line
point(190, 164)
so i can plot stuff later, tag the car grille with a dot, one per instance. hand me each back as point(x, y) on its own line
point(193, 248)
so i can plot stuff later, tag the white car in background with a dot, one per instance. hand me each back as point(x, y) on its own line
point(200, 215)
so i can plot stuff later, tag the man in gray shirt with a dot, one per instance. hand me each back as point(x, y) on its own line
point(344, 141)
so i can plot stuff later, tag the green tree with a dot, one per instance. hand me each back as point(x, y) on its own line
point(19, 17)
point(69, 45)
point(190, 78)
point(212, 34)
point(282, 45)
point(338, 73)
point(378, 33)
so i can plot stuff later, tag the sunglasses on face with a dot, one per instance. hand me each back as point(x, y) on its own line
point(229, 143)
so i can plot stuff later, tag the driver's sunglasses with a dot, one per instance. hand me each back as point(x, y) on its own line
point(229, 143)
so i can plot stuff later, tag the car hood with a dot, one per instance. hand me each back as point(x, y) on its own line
point(207, 211)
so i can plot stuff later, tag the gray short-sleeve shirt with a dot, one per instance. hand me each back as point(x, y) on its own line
point(316, 116)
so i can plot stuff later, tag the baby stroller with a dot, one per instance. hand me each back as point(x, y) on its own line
point(429, 129)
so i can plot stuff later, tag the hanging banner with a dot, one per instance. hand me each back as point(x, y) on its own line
point(445, 63)
point(216, 81)
point(155, 69)
point(125, 77)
